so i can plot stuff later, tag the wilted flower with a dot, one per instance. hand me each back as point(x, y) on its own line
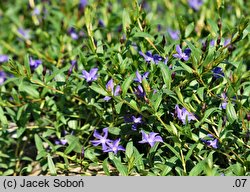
point(212, 142)
point(195, 4)
point(101, 139)
point(217, 72)
point(140, 77)
point(184, 56)
point(114, 146)
point(3, 77)
point(34, 63)
point(91, 75)
point(183, 114)
point(110, 88)
point(150, 138)
point(4, 58)
point(174, 34)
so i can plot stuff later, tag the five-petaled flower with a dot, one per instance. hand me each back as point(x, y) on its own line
point(110, 88)
point(113, 146)
point(195, 4)
point(34, 63)
point(183, 115)
point(91, 75)
point(136, 121)
point(101, 139)
point(140, 77)
point(150, 138)
point(183, 56)
point(212, 142)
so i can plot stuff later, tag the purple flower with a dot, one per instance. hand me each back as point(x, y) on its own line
point(61, 142)
point(3, 77)
point(114, 147)
point(83, 4)
point(212, 43)
point(110, 88)
point(4, 58)
point(101, 139)
point(183, 114)
point(224, 101)
point(34, 63)
point(140, 77)
point(214, 143)
point(174, 34)
point(217, 72)
point(73, 64)
point(226, 41)
point(72, 32)
point(139, 92)
point(101, 23)
point(25, 33)
point(184, 56)
point(150, 58)
point(195, 4)
point(150, 138)
point(91, 75)
point(36, 11)
point(136, 121)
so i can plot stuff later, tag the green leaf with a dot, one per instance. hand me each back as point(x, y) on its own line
point(105, 166)
point(120, 167)
point(195, 51)
point(144, 35)
point(125, 20)
point(98, 89)
point(186, 67)
point(214, 26)
point(189, 29)
point(51, 165)
point(166, 74)
point(74, 144)
point(174, 151)
point(126, 84)
point(24, 86)
point(197, 169)
point(206, 115)
point(3, 119)
point(56, 72)
point(129, 149)
point(39, 144)
point(8, 172)
point(231, 113)
point(27, 65)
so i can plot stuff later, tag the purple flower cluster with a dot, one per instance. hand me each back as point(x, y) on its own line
point(110, 88)
point(107, 144)
point(150, 58)
point(183, 56)
point(184, 115)
point(212, 142)
point(113, 145)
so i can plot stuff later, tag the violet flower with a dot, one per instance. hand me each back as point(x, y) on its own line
point(72, 32)
point(226, 41)
point(83, 4)
point(114, 147)
point(195, 4)
point(183, 56)
point(4, 58)
point(150, 58)
point(91, 75)
point(110, 88)
point(101, 139)
point(214, 143)
point(3, 77)
point(139, 92)
point(73, 64)
point(183, 114)
point(25, 33)
point(61, 142)
point(140, 77)
point(34, 63)
point(224, 101)
point(174, 34)
point(136, 121)
point(217, 72)
point(150, 138)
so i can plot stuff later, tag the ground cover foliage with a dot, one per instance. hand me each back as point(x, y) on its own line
point(113, 87)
